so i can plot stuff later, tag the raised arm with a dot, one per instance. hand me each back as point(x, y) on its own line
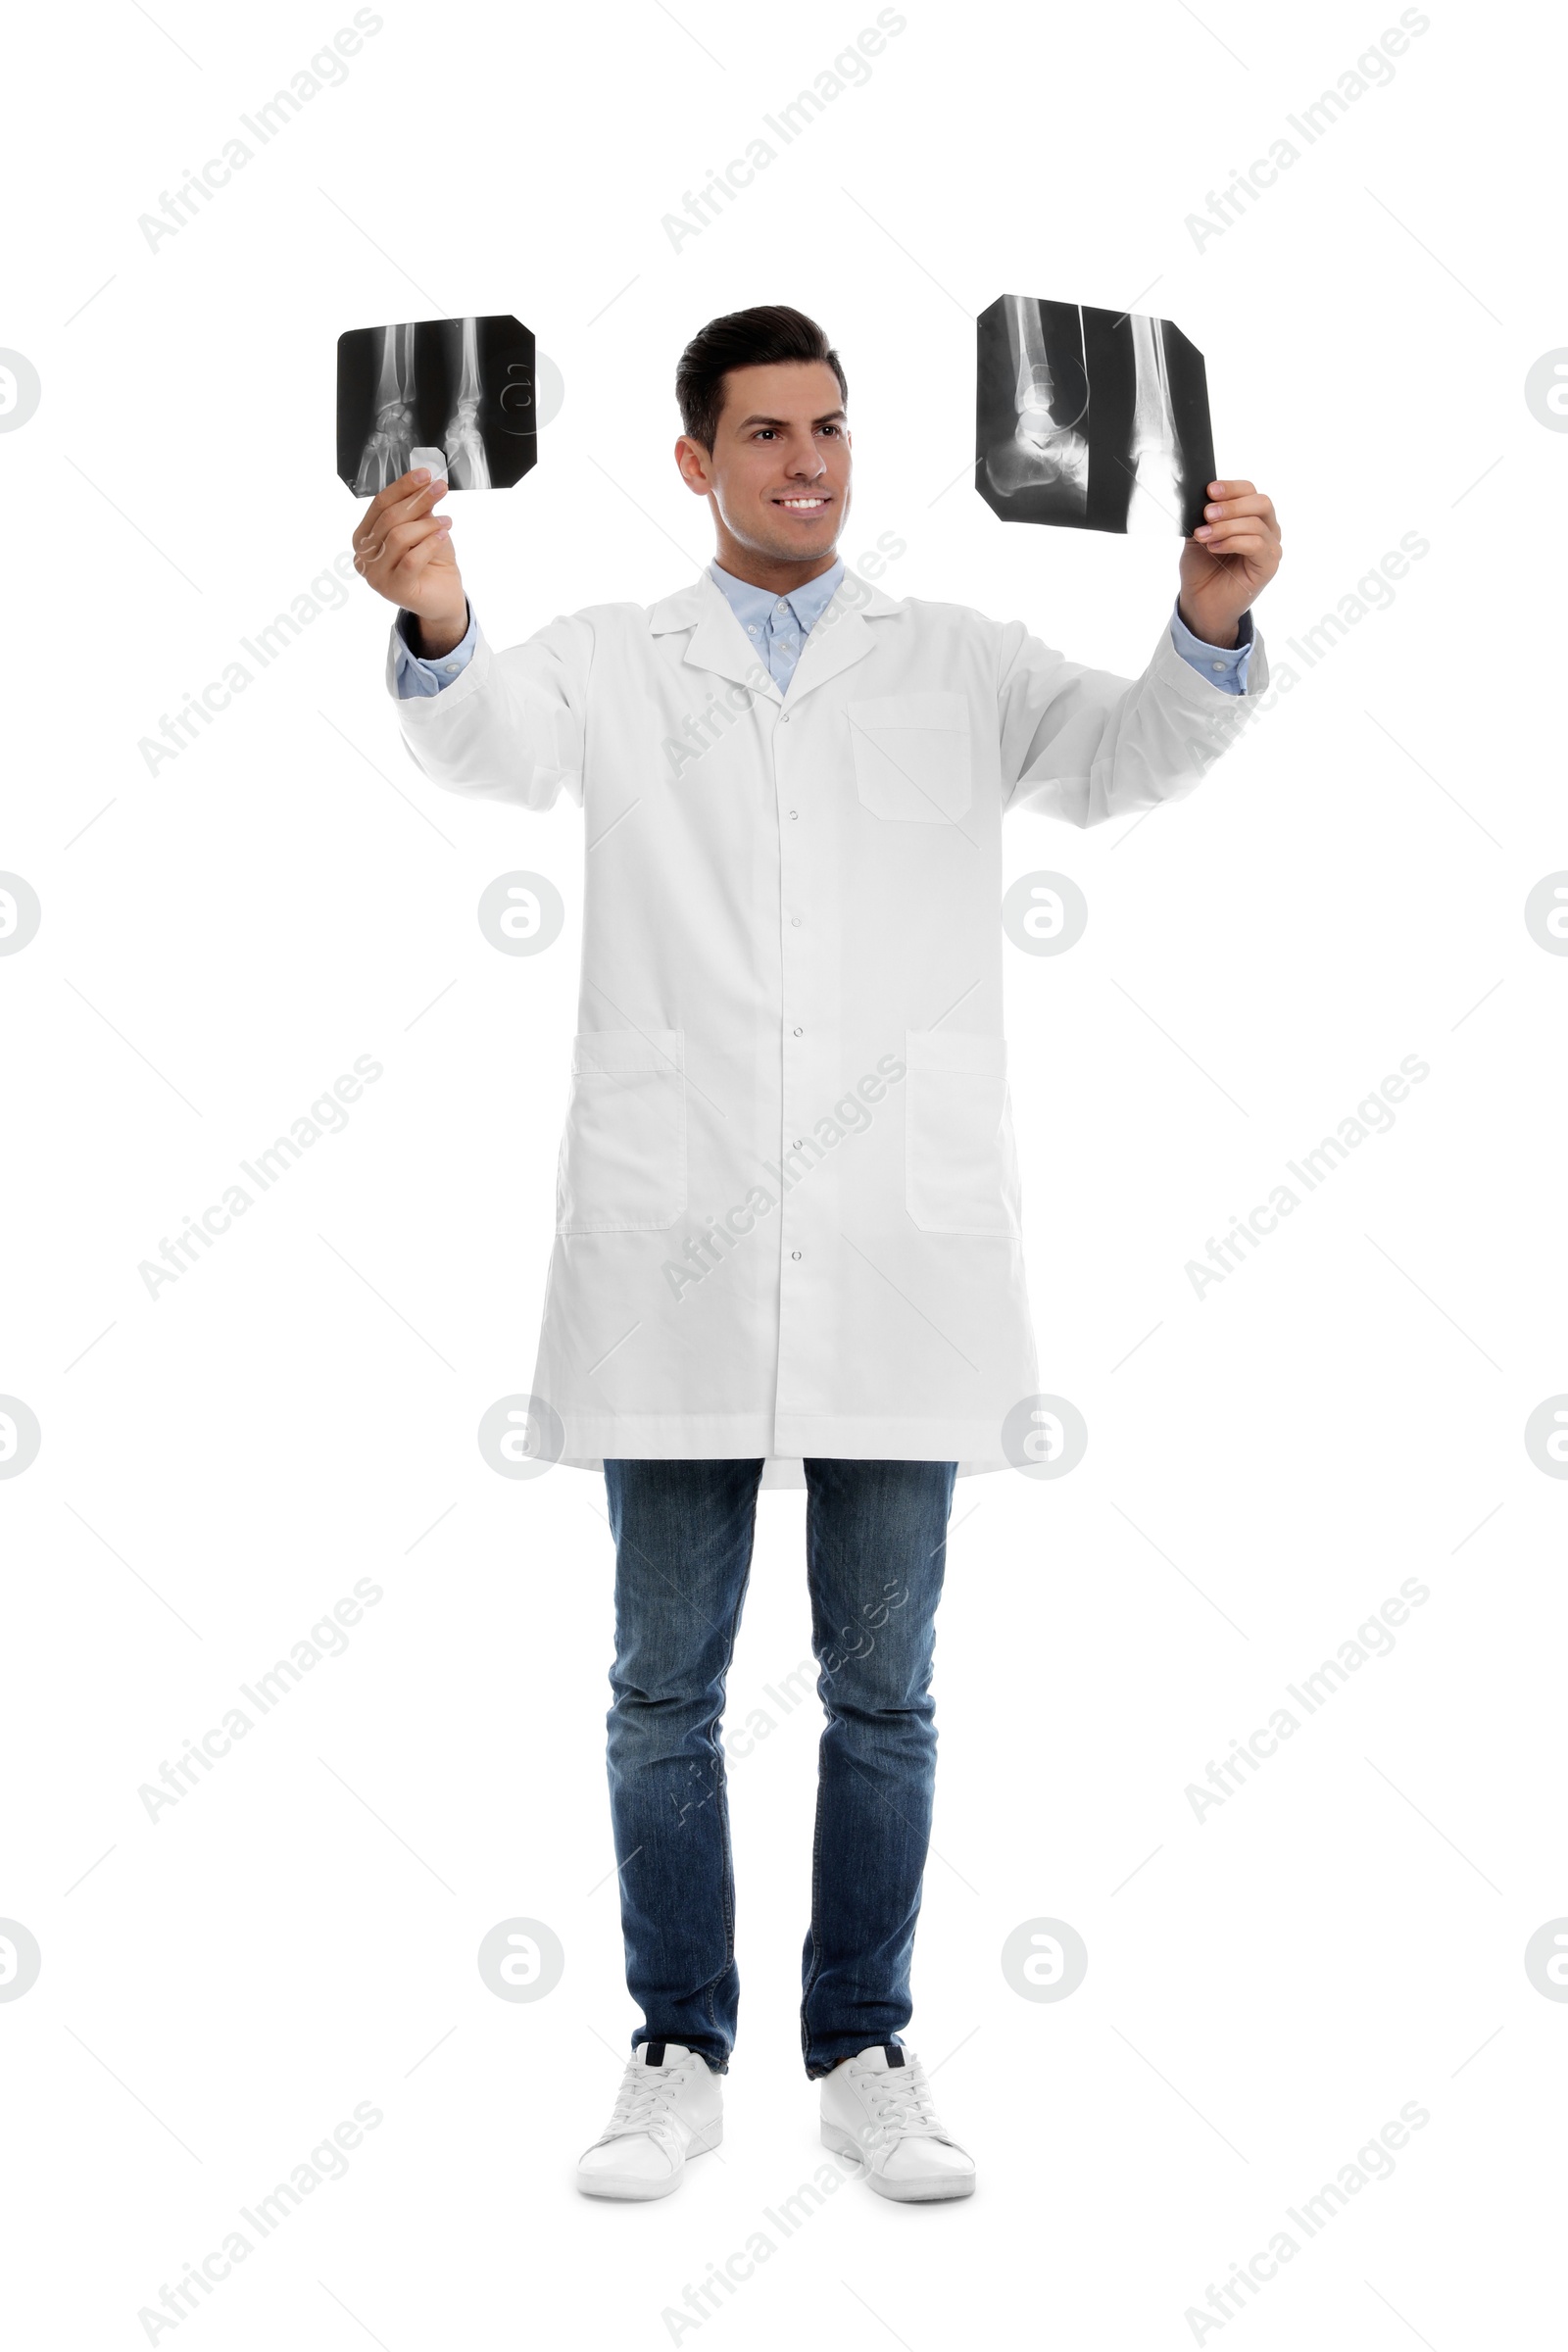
point(504, 726)
point(1084, 744)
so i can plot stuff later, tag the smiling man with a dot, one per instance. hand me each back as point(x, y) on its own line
point(788, 1222)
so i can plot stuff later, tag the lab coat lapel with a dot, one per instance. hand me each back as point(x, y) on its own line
point(718, 641)
point(842, 637)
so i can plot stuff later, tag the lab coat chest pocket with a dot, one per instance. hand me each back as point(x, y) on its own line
point(960, 1169)
point(912, 755)
point(622, 1166)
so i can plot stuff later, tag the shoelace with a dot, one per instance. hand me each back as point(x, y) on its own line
point(904, 2107)
point(643, 2100)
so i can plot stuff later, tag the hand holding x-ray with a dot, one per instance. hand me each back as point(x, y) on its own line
point(402, 549)
point(425, 406)
point(1230, 559)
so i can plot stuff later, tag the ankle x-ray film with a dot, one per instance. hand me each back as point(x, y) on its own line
point(462, 388)
point(1093, 419)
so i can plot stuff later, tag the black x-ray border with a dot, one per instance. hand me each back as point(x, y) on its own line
point(508, 398)
point(1096, 395)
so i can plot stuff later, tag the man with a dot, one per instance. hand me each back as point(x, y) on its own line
point(788, 1218)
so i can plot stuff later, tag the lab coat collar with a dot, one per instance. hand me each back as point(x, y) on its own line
point(718, 642)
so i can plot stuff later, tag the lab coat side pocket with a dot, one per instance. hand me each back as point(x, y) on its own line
point(622, 1166)
point(960, 1168)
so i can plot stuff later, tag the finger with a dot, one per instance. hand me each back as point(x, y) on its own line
point(1209, 538)
point(379, 518)
point(431, 540)
point(400, 579)
point(1230, 489)
point(1255, 505)
point(405, 484)
point(431, 550)
point(401, 498)
point(1221, 517)
point(1238, 567)
point(382, 562)
point(1209, 535)
point(1246, 544)
point(406, 535)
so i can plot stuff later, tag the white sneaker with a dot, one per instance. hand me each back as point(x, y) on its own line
point(671, 2107)
point(878, 2107)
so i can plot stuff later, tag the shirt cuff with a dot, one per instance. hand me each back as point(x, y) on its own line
point(1224, 666)
point(417, 677)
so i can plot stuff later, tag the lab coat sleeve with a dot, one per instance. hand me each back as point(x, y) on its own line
point(511, 726)
point(1084, 744)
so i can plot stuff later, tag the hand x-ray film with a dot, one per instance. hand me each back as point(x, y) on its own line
point(462, 386)
point(1095, 419)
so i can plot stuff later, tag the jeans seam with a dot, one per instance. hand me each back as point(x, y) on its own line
point(726, 1881)
point(816, 1954)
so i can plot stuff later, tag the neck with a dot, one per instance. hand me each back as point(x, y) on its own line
point(779, 574)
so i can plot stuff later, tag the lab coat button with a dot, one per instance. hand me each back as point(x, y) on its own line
point(797, 1033)
point(794, 1253)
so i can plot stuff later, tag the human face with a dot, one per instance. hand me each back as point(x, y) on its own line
point(777, 478)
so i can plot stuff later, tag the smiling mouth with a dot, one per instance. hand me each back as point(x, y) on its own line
point(814, 503)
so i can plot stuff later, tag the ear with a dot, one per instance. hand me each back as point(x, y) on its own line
point(694, 462)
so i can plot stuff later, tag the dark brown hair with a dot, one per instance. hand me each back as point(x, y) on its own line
point(755, 338)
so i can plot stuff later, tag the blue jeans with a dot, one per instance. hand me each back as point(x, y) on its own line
point(875, 1552)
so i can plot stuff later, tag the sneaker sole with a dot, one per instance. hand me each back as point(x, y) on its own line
point(641, 2193)
point(936, 2190)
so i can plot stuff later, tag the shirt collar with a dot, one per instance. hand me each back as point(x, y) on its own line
point(753, 607)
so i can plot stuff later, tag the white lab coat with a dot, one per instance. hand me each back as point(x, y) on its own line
point(788, 1208)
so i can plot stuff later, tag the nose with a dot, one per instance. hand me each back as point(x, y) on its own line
point(807, 463)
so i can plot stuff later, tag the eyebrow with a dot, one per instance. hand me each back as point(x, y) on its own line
point(830, 417)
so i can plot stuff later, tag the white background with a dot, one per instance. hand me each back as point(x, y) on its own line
point(221, 940)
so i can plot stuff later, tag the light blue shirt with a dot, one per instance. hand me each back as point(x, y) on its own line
point(779, 625)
